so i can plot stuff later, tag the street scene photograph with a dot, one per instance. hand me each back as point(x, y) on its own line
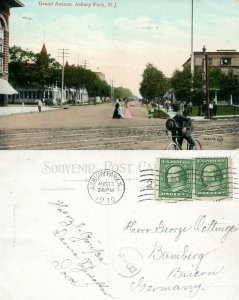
point(124, 75)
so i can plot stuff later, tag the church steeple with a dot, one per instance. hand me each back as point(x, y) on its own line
point(43, 49)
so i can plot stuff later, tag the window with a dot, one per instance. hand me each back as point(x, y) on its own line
point(210, 61)
point(1, 36)
point(1, 65)
point(226, 61)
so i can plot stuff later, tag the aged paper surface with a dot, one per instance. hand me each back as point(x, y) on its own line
point(87, 225)
point(124, 225)
point(118, 40)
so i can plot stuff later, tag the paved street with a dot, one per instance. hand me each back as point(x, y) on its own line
point(92, 127)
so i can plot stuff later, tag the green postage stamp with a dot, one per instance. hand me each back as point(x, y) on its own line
point(211, 177)
point(190, 179)
point(176, 178)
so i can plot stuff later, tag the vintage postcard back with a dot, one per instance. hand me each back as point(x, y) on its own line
point(109, 225)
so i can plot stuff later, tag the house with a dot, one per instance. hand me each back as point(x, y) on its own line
point(50, 95)
point(5, 88)
point(226, 60)
point(100, 75)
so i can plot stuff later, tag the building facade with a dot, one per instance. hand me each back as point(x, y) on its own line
point(226, 60)
point(5, 87)
point(100, 75)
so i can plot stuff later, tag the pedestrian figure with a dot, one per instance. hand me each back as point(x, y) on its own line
point(169, 104)
point(191, 108)
point(116, 114)
point(150, 110)
point(127, 112)
point(204, 108)
point(185, 108)
point(39, 105)
point(120, 109)
point(183, 130)
point(181, 106)
point(211, 109)
point(166, 105)
point(214, 108)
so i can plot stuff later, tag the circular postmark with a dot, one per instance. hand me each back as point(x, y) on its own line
point(220, 139)
point(106, 187)
point(128, 262)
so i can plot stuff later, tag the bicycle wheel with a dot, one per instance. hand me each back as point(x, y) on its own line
point(198, 145)
point(173, 146)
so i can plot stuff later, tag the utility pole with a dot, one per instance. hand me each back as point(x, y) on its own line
point(63, 53)
point(85, 64)
point(112, 90)
point(192, 53)
point(206, 79)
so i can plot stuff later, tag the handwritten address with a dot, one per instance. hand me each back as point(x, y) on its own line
point(185, 269)
point(202, 225)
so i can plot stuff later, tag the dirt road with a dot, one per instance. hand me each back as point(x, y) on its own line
point(92, 127)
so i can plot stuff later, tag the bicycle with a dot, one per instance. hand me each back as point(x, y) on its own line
point(174, 145)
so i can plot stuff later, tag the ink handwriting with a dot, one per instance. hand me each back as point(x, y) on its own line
point(202, 225)
point(87, 257)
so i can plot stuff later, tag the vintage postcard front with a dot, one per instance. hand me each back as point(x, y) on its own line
point(114, 75)
point(86, 225)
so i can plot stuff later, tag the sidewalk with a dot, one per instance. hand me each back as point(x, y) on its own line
point(172, 113)
point(12, 110)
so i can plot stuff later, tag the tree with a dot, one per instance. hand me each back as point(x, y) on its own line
point(20, 67)
point(229, 86)
point(154, 83)
point(121, 92)
point(225, 84)
point(181, 82)
point(104, 89)
point(47, 69)
point(27, 69)
point(80, 78)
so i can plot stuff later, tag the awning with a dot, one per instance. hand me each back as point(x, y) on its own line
point(6, 88)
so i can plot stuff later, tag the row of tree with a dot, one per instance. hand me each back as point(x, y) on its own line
point(154, 84)
point(36, 70)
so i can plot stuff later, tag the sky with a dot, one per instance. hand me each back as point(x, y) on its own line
point(120, 38)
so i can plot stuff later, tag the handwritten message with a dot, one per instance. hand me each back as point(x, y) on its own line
point(85, 263)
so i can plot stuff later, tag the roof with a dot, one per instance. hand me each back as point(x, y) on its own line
point(6, 88)
point(227, 53)
point(14, 3)
point(223, 52)
point(43, 49)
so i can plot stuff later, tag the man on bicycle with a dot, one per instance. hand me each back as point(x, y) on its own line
point(183, 130)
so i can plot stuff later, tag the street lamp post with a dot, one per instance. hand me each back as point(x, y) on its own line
point(192, 53)
point(206, 79)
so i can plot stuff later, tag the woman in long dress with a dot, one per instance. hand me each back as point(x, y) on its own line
point(116, 114)
point(127, 112)
point(120, 109)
